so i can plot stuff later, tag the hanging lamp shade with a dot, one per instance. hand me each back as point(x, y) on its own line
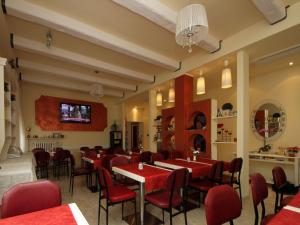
point(171, 94)
point(191, 26)
point(226, 76)
point(159, 99)
point(200, 85)
point(96, 90)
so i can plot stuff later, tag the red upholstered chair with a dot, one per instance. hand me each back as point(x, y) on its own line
point(135, 158)
point(216, 205)
point(113, 194)
point(37, 150)
point(282, 187)
point(146, 157)
point(29, 197)
point(171, 196)
point(75, 172)
point(234, 179)
point(214, 178)
point(42, 159)
point(259, 194)
point(165, 153)
point(156, 157)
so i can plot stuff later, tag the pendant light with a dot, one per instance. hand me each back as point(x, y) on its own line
point(191, 26)
point(201, 84)
point(171, 94)
point(159, 99)
point(226, 76)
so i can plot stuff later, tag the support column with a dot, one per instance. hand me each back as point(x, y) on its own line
point(2, 108)
point(123, 125)
point(243, 117)
point(151, 124)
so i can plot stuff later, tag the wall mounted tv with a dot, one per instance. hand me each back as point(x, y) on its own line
point(75, 113)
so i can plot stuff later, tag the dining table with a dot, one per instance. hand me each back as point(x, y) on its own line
point(150, 178)
point(68, 214)
point(289, 214)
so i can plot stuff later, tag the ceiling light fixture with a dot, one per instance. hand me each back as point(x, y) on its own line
point(159, 98)
point(192, 26)
point(291, 63)
point(201, 84)
point(97, 90)
point(48, 39)
point(226, 76)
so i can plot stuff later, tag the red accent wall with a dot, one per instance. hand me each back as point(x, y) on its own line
point(184, 112)
point(47, 115)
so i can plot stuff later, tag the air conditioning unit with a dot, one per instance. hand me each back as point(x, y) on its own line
point(273, 10)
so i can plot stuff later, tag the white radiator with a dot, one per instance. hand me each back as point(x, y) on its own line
point(47, 144)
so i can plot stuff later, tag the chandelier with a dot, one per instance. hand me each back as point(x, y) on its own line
point(192, 26)
point(96, 90)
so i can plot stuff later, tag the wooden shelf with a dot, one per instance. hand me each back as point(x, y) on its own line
point(224, 142)
point(43, 138)
point(223, 117)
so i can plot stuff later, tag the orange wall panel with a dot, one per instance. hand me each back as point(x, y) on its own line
point(47, 115)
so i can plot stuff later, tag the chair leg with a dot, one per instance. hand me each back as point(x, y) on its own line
point(170, 212)
point(99, 207)
point(122, 210)
point(72, 185)
point(241, 197)
point(107, 212)
point(135, 210)
point(231, 222)
point(163, 215)
point(185, 216)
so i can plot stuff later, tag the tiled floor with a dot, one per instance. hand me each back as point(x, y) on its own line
point(88, 204)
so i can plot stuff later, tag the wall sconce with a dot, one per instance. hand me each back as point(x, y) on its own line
point(201, 84)
point(159, 98)
point(226, 76)
point(171, 94)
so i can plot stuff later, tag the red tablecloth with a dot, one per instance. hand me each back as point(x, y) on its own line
point(97, 162)
point(198, 169)
point(286, 216)
point(155, 178)
point(211, 161)
point(61, 215)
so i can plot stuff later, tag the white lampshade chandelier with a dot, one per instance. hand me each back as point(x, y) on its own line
point(226, 76)
point(191, 26)
point(201, 84)
point(159, 99)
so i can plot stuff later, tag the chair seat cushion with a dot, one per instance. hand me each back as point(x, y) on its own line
point(202, 185)
point(161, 199)
point(285, 201)
point(267, 219)
point(119, 193)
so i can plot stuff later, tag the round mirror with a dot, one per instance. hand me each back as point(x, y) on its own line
point(268, 121)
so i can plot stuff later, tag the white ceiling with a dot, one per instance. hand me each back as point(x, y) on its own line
point(226, 18)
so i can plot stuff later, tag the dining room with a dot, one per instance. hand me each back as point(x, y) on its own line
point(138, 112)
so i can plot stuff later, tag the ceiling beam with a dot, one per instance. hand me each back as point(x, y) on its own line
point(74, 75)
point(37, 14)
point(82, 60)
point(45, 80)
point(165, 17)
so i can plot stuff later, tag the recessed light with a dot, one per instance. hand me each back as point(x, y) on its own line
point(291, 63)
point(165, 100)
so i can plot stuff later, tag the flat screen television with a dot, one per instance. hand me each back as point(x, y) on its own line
point(75, 113)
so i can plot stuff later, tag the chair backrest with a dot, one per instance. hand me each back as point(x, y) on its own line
point(84, 148)
point(105, 181)
point(165, 153)
point(72, 160)
point(29, 197)
point(58, 155)
point(106, 161)
point(42, 158)
point(135, 158)
point(217, 203)
point(118, 161)
point(98, 147)
point(136, 150)
point(279, 177)
point(259, 189)
point(35, 150)
point(216, 172)
point(156, 157)
point(236, 168)
point(177, 181)
point(146, 156)
point(65, 154)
